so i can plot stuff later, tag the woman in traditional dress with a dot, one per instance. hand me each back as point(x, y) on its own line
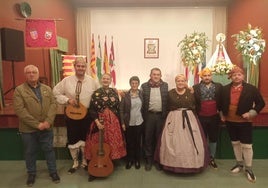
point(182, 147)
point(104, 109)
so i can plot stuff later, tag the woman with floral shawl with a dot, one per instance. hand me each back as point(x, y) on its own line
point(104, 109)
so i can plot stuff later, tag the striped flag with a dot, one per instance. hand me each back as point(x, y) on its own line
point(98, 62)
point(67, 67)
point(111, 63)
point(92, 58)
point(105, 59)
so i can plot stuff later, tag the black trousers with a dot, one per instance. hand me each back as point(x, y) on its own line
point(77, 129)
point(153, 126)
point(133, 139)
point(210, 125)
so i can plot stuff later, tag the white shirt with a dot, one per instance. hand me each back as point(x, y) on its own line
point(65, 90)
point(155, 103)
point(135, 112)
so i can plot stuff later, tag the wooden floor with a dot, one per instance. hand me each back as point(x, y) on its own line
point(13, 175)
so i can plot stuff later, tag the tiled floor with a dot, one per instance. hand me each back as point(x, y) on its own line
point(13, 175)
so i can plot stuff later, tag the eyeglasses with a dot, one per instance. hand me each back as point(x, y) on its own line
point(31, 72)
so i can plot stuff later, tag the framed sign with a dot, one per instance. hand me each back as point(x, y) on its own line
point(151, 48)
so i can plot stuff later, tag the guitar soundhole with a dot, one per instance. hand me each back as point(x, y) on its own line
point(100, 166)
point(75, 113)
point(100, 153)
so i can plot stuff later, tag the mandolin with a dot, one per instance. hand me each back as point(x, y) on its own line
point(100, 165)
point(78, 111)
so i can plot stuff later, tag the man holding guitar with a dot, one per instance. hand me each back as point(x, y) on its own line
point(75, 92)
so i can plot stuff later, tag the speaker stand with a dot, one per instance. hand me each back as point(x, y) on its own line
point(13, 78)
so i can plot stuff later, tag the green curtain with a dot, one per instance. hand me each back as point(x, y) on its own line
point(56, 60)
point(56, 66)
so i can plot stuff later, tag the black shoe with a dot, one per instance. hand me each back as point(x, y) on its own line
point(237, 168)
point(91, 178)
point(158, 166)
point(129, 164)
point(213, 164)
point(148, 165)
point(71, 170)
point(250, 175)
point(137, 165)
point(85, 168)
point(30, 180)
point(55, 177)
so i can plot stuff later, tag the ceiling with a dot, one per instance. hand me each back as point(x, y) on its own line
point(148, 3)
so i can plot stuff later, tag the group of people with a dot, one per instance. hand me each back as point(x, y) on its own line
point(175, 130)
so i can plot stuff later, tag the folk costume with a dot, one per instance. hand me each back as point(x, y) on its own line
point(105, 106)
point(76, 129)
point(182, 147)
point(208, 106)
point(239, 100)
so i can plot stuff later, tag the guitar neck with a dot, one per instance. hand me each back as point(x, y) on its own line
point(77, 98)
point(101, 151)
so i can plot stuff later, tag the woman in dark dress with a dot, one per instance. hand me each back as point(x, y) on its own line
point(182, 146)
point(104, 109)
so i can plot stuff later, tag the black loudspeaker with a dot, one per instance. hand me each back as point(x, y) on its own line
point(12, 43)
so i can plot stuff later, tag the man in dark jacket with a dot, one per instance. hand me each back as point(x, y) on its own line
point(155, 93)
point(208, 105)
point(241, 102)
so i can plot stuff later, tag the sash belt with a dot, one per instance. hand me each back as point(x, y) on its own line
point(186, 117)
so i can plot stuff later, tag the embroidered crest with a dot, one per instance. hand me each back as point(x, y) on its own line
point(34, 34)
point(48, 35)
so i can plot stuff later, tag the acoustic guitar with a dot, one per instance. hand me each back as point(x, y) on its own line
point(78, 111)
point(100, 165)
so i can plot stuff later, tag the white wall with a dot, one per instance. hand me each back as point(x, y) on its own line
point(129, 27)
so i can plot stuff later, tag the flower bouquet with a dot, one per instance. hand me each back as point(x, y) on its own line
point(193, 48)
point(221, 67)
point(250, 43)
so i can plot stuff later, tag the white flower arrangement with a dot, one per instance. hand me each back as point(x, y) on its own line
point(250, 43)
point(221, 67)
point(193, 49)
